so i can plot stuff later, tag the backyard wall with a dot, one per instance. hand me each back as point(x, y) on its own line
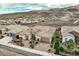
point(24, 51)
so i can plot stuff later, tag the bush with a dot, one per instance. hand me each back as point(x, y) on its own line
point(17, 36)
point(1, 37)
point(76, 52)
point(70, 44)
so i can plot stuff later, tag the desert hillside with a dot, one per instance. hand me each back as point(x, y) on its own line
point(54, 16)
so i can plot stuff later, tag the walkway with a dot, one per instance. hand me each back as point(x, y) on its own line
point(5, 40)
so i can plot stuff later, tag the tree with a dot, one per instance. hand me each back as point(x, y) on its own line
point(33, 37)
point(1, 32)
point(1, 36)
point(17, 36)
point(32, 42)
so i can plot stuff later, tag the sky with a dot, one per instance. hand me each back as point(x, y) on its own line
point(42, 1)
point(50, 2)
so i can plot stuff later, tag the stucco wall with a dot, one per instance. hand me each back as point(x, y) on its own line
point(24, 51)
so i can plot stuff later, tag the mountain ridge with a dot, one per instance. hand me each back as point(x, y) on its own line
point(65, 15)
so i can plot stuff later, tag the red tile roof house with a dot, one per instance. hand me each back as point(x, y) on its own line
point(71, 31)
point(65, 32)
point(76, 35)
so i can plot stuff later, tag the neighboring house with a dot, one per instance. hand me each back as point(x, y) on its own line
point(66, 35)
point(67, 38)
point(76, 35)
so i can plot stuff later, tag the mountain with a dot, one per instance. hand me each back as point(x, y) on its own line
point(25, 7)
point(53, 16)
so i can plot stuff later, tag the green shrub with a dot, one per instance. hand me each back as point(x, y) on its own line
point(1, 37)
point(70, 44)
point(77, 52)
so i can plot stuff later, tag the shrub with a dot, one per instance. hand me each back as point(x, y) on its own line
point(77, 52)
